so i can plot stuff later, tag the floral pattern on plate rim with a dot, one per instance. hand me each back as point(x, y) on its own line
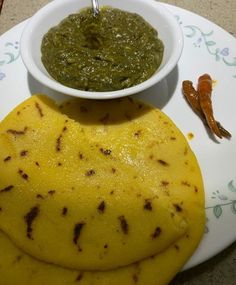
point(205, 39)
point(11, 54)
point(223, 201)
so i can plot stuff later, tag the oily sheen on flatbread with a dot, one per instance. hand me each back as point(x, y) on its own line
point(90, 186)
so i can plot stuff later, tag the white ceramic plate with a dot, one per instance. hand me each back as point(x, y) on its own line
point(208, 49)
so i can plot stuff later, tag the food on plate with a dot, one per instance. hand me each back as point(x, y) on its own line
point(200, 101)
point(76, 194)
point(112, 51)
point(92, 191)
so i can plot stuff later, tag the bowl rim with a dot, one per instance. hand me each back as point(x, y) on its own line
point(55, 85)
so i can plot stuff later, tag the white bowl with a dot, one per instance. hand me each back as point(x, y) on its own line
point(50, 15)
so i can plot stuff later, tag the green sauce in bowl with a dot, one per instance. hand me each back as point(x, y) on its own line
point(112, 51)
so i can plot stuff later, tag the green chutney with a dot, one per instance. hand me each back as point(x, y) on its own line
point(112, 51)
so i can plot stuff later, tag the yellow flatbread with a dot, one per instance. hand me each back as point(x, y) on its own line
point(111, 184)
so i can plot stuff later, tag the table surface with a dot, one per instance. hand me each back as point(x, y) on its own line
point(221, 269)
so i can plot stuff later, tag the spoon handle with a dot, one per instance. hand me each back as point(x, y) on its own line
point(95, 6)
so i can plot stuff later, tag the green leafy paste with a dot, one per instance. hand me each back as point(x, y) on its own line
point(112, 51)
